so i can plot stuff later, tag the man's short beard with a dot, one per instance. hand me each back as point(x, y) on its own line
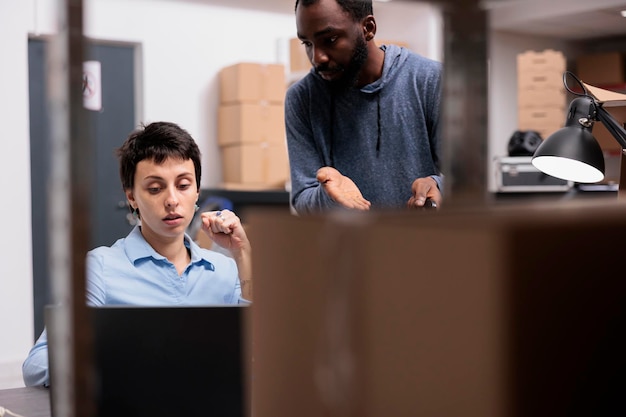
point(350, 76)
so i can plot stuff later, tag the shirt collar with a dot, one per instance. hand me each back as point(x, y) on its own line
point(137, 248)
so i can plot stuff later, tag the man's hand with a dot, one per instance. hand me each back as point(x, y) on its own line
point(342, 189)
point(422, 189)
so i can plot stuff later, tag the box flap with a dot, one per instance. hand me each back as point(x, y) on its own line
point(609, 98)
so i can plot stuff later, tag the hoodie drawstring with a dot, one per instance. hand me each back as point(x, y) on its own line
point(378, 125)
point(332, 130)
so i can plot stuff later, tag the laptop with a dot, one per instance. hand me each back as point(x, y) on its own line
point(169, 361)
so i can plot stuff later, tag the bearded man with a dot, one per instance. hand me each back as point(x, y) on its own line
point(363, 125)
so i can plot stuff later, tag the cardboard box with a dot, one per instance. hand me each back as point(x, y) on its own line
point(602, 69)
point(540, 71)
point(541, 98)
point(380, 42)
point(249, 123)
point(252, 83)
point(298, 59)
point(547, 61)
point(541, 118)
point(539, 81)
point(470, 312)
point(256, 165)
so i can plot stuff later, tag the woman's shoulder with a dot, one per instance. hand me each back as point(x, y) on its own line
point(104, 251)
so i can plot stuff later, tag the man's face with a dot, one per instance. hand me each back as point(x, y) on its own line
point(334, 42)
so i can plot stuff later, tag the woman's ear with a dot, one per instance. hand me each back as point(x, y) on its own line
point(131, 199)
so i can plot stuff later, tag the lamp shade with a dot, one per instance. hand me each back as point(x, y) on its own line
point(572, 154)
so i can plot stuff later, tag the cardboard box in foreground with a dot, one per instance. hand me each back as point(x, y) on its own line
point(485, 313)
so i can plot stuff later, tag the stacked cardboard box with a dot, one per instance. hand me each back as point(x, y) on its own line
point(251, 126)
point(298, 59)
point(541, 97)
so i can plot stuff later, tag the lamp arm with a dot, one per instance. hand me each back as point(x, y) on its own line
point(613, 126)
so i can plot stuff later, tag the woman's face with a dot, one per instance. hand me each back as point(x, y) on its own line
point(166, 195)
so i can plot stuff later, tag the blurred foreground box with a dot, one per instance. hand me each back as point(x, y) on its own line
point(477, 312)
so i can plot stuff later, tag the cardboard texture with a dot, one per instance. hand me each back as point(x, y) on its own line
point(298, 59)
point(547, 61)
point(257, 165)
point(607, 68)
point(541, 97)
point(252, 83)
point(249, 123)
point(461, 313)
point(538, 99)
point(538, 116)
point(544, 120)
point(539, 81)
point(608, 97)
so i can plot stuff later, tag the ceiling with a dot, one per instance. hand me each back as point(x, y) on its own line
point(564, 19)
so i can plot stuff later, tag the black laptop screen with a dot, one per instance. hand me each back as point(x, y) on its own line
point(169, 361)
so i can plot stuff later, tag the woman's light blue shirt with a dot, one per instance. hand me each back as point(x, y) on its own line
point(131, 272)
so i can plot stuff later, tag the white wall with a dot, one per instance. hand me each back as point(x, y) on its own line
point(418, 24)
point(183, 46)
point(16, 317)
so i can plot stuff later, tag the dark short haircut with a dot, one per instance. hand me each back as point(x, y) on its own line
point(357, 9)
point(156, 141)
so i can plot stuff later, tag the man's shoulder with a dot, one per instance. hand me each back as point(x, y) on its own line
point(421, 61)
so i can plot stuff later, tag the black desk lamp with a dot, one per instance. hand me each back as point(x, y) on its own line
point(572, 153)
